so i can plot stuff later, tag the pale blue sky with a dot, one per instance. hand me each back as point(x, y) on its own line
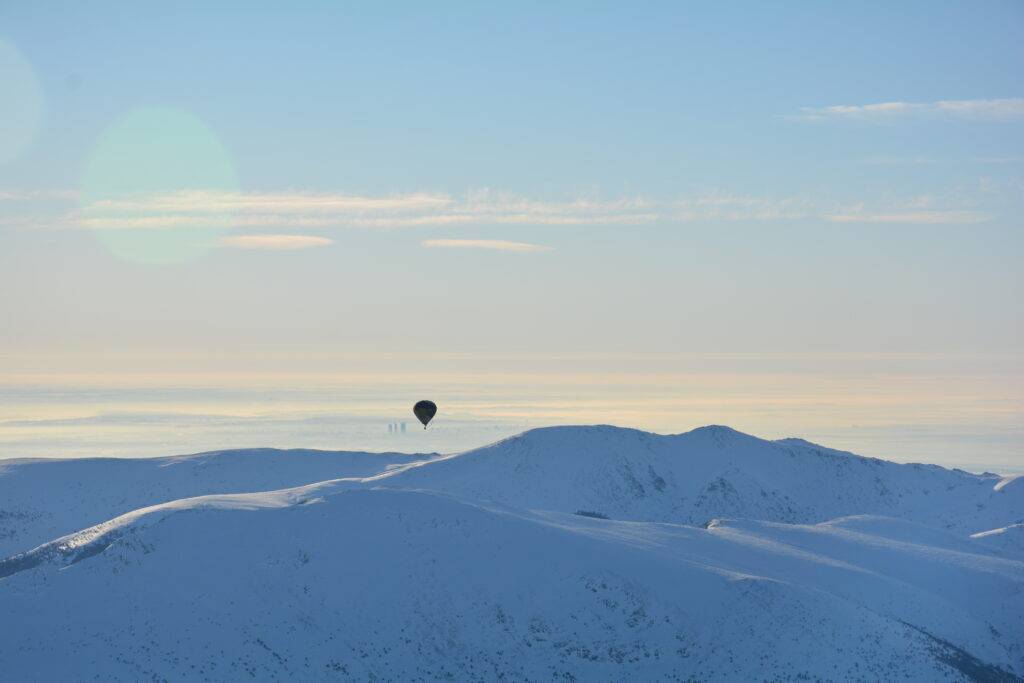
point(679, 161)
point(515, 184)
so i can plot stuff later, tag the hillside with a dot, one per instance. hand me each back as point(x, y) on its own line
point(726, 557)
point(712, 472)
point(45, 498)
point(414, 586)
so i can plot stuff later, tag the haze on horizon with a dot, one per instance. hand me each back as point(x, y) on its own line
point(233, 222)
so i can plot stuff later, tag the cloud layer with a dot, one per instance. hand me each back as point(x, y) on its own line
point(267, 218)
point(494, 245)
point(198, 208)
point(912, 217)
point(274, 242)
point(979, 110)
point(298, 211)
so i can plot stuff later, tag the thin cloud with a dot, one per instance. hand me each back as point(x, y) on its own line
point(1007, 109)
point(726, 207)
point(286, 213)
point(38, 195)
point(301, 210)
point(274, 242)
point(208, 201)
point(900, 161)
point(998, 160)
point(493, 245)
point(912, 217)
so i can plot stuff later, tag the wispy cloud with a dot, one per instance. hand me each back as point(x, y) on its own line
point(900, 161)
point(911, 217)
point(274, 242)
point(302, 210)
point(998, 160)
point(494, 245)
point(979, 110)
point(37, 195)
point(728, 207)
point(286, 213)
point(298, 211)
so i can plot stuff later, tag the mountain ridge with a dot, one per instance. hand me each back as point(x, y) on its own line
point(569, 553)
point(384, 573)
point(705, 473)
point(691, 477)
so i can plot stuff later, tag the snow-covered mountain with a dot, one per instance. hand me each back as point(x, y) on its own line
point(45, 498)
point(475, 567)
point(1007, 540)
point(713, 472)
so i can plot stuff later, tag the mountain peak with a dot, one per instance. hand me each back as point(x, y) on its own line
point(722, 433)
point(712, 471)
point(561, 550)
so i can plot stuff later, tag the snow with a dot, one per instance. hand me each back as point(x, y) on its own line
point(725, 557)
point(1007, 540)
point(1006, 481)
point(711, 472)
point(45, 498)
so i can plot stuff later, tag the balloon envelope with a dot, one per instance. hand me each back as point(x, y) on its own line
point(424, 411)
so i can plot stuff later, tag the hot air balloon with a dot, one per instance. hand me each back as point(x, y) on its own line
point(425, 411)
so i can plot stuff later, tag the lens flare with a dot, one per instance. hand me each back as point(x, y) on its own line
point(152, 158)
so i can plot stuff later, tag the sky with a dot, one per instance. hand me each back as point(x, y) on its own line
point(670, 204)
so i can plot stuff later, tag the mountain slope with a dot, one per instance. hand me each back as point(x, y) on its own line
point(1007, 540)
point(343, 581)
point(727, 558)
point(43, 499)
point(711, 472)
